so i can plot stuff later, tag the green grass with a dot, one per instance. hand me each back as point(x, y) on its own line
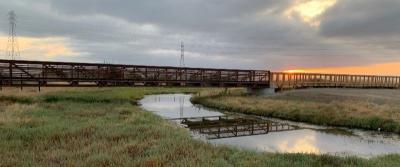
point(105, 127)
point(366, 109)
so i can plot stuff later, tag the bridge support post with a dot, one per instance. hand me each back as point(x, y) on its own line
point(21, 82)
point(39, 82)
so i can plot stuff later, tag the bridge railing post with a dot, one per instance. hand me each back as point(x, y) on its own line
point(398, 82)
point(1, 83)
point(21, 81)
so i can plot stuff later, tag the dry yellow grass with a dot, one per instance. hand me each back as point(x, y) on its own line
point(360, 108)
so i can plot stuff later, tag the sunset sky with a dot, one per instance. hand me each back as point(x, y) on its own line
point(329, 36)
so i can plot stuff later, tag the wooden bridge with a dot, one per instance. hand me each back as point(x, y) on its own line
point(20, 73)
point(43, 73)
point(282, 81)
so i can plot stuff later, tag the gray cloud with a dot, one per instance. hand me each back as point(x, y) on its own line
point(362, 18)
point(223, 33)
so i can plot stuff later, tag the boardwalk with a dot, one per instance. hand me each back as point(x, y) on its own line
point(19, 73)
point(284, 81)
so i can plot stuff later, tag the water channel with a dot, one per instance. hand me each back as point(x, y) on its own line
point(307, 139)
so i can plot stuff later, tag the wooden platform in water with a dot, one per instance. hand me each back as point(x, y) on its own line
point(216, 127)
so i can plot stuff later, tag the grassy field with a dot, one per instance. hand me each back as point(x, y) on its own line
point(356, 108)
point(106, 127)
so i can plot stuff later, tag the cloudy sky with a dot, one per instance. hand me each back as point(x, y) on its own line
point(317, 35)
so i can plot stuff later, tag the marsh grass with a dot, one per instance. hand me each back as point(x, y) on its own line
point(105, 127)
point(366, 109)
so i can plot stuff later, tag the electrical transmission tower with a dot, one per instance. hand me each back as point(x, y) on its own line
point(182, 61)
point(12, 45)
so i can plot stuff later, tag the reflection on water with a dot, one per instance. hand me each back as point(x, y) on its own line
point(311, 141)
point(175, 106)
point(299, 141)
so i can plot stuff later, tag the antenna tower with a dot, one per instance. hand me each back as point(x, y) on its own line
point(182, 61)
point(12, 45)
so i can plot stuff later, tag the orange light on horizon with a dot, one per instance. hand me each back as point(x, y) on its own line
point(295, 71)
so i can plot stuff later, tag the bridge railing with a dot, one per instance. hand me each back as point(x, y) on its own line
point(21, 72)
point(283, 80)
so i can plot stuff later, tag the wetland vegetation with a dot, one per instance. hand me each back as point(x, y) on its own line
point(106, 127)
point(354, 108)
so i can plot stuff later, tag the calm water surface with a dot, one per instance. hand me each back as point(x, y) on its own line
point(311, 139)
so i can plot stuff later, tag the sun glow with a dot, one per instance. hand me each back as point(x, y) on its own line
point(295, 71)
point(304, 145)
point(309, 11)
